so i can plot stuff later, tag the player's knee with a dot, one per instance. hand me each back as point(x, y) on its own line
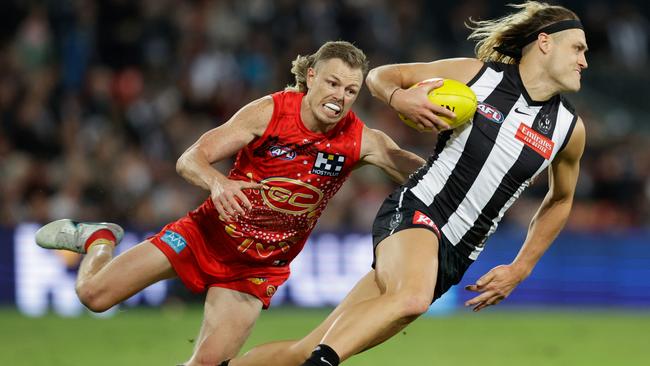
point(93, 297)
point(413, 305)
point(211, 354)
point(207, 359)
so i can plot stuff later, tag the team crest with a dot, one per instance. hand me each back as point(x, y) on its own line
point(395, 220)
point(327, 164)
point(270, 290)
point(544, 124)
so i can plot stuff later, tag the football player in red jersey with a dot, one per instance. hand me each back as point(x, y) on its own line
point(294, 150)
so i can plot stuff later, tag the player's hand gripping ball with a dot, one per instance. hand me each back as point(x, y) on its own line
point(453, 95)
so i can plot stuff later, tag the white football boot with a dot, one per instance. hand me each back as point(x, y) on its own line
point(71, 235)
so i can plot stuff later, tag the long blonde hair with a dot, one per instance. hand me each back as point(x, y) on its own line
point(345, 51)
point(508, 32)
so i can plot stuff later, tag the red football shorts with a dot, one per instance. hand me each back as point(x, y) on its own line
point(204, 257)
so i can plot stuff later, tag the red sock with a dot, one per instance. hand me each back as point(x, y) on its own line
point(102, 236)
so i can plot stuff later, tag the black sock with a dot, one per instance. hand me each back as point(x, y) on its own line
point(224, 363)
point(323, 355)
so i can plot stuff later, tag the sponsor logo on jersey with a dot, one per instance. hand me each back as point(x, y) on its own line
point(490, 112)
point(174, 240)
point(257, 280)
point(517, 110)
point(282, 152)
point(279, 262)
point(328, 164)
point(264, 250)
point(290, 196)
point(535, 140)
point(421, 219)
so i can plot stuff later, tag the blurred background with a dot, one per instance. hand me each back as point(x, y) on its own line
point(98, 98)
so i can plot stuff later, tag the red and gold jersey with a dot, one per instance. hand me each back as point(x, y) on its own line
point(302, 170)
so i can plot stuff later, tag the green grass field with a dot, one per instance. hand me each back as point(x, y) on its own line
point(495, 337)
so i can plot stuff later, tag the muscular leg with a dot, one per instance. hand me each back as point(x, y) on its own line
point(104, 281)
point(407, 265)
point(228, 319)
point(293, 353)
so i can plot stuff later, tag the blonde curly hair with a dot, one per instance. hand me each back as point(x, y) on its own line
point(505, 34)
point(345, 51)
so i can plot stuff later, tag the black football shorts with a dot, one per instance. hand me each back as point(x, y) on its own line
point(401, 211)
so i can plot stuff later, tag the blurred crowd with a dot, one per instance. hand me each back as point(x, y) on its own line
point(99, 98)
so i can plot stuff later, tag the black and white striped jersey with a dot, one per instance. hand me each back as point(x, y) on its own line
point(479, 169)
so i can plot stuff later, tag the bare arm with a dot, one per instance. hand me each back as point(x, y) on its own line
point(394, 80)
point(195, 164)
point(554, 210)
point(380, 150)
point(547, 223)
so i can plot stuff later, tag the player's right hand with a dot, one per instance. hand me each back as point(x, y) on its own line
point(494, 286)
point(228, 197)
point(414, 104)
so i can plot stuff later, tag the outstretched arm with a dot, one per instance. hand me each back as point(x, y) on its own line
point(380, 150)
point(390, 84)
point(550, 218)
point(195, 164)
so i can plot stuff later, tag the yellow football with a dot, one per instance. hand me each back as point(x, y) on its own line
point(453, 95)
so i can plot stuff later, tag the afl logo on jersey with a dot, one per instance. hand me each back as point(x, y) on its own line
point(290, 196)
point(490, 112)
point(282, 152)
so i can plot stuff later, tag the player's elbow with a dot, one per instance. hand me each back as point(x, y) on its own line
point(382, 76)
point(182, 164)
point(560, 203)
point(372, 80)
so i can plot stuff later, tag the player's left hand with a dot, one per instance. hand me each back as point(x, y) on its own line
point(494, 286)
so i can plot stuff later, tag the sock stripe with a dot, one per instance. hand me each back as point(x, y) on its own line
point(102, 236)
